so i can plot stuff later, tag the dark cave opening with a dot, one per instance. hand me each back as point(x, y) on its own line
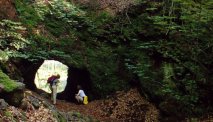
point(76, 77)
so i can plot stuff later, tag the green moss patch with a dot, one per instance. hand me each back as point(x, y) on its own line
point(9, 85)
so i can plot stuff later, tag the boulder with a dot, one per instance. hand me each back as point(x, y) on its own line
point(3, 105)
point(34, 101)
point(16, 96)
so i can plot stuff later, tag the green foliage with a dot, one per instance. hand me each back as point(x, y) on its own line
point(183, 91)
point(11, 38)
point(55, 27)
point(103, 67)
point(36, 55)
point(9, 85)
point(174, 31)
point(8, 114)
point(27, 13)
point(58, 13)
point(3, 56)
point(142, 65)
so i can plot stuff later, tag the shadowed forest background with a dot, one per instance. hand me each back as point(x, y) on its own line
point(162, 48)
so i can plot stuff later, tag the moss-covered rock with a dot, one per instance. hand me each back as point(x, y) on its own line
point(9, 85)
point(12, 91)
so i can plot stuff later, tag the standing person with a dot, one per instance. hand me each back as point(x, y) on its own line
point(80, 96)
point(54, 80)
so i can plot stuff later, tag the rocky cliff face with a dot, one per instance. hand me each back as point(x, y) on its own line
point(7, 10)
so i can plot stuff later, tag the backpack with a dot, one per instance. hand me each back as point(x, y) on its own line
point(51, 79)
point(85, 101)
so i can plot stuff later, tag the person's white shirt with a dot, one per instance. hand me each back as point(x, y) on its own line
point(81, 93)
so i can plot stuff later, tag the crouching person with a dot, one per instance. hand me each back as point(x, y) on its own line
point(80, 96)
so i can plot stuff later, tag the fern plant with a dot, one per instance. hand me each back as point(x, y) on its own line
point(11, 37)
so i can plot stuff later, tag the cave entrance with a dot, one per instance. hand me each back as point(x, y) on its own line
point(48, 68)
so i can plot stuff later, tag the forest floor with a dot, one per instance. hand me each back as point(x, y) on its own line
point(92, 109)
point(123, 106)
